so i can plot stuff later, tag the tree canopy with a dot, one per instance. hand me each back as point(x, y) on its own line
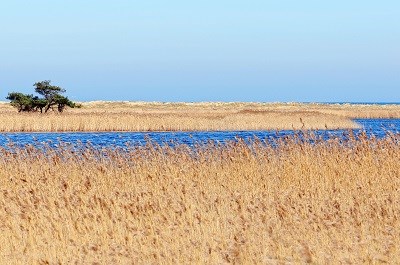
point(51, 98)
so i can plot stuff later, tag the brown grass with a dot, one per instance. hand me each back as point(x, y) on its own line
point(326, 203)
point(142, 116)
point(344, 110)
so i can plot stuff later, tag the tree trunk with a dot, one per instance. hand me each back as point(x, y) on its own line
point(47, 108)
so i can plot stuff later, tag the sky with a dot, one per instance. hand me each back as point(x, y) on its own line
point(226, 50)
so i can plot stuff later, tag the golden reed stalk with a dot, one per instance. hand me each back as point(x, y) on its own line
point(289, 203)
point(142, 116)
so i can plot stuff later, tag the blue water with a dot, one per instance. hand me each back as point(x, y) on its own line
point(359, 103)
point(377, 127)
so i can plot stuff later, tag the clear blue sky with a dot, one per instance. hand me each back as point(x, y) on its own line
point(286, 50)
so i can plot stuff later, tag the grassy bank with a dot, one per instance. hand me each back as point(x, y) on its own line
point(141, 116)
point(324, 203)
point(146, 116)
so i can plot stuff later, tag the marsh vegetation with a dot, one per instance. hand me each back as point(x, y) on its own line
point(141, 116)
point(291, 201)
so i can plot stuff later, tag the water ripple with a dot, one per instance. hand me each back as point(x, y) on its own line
point(377, 127)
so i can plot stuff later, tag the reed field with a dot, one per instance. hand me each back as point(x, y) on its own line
point(146, 116)
point(294, 201)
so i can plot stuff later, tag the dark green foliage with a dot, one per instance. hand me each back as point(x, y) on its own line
point(21, 101)
point(62, 102)
point(51, 98)
point(48, 91)
point(39, 103)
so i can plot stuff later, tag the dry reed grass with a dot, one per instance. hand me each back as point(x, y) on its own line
point(322, 203)
point(142, 116)
point(344, 110)
point(245, 120)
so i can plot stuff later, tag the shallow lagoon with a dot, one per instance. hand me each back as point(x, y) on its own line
point(377, 127)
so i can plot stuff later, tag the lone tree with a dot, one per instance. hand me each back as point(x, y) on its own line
point(51, 97)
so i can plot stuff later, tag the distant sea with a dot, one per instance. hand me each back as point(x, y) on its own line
point(357, 103)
